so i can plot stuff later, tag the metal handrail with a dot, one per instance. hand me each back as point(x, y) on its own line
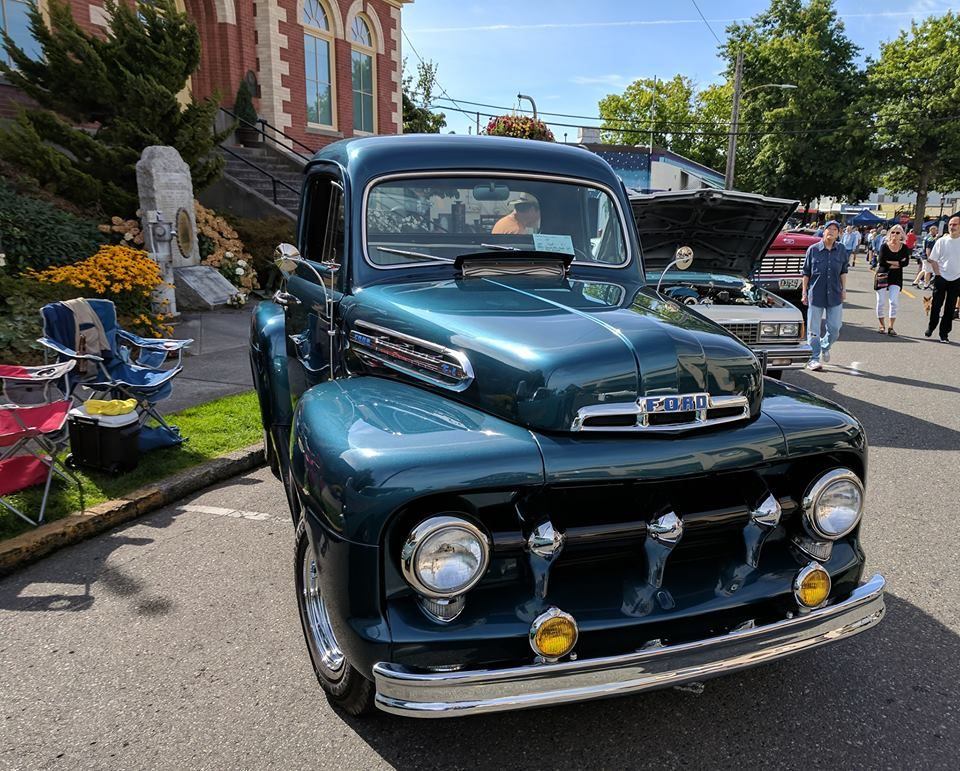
point(274, 180)
point(262, 131)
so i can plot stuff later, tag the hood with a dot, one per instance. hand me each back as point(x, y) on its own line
point(728, 231)
point(787, 242)
point(541, 349)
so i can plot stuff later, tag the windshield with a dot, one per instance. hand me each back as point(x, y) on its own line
point(436, 219)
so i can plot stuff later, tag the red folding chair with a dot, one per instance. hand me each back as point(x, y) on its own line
point(33, 434)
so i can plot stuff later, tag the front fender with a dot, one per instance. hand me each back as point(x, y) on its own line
point(362, 447)
point(268, 358)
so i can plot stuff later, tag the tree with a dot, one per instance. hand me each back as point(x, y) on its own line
point(914, 92)
point(812, 140)
point(103, 100)
point(417, 96)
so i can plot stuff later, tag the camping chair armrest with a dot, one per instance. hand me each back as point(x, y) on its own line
point(53, 345)
point(153, 343)
point(40, 374)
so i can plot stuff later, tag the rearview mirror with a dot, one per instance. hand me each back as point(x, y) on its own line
point(286, 257)
point(491, 192)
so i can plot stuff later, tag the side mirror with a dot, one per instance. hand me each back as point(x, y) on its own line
point(682, 259)
point(286, 257)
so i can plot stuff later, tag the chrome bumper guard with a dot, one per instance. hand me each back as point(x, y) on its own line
point(450, 694)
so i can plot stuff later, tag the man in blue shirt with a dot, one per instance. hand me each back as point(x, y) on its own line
point(824, 290)
point(851, 240)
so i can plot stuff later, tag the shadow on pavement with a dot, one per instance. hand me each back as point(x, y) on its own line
point(30, 589)
point(874, 700)
point(885, 427)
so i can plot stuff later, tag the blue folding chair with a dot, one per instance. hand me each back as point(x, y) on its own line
point(131, 367)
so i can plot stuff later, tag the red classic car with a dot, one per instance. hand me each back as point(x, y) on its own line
point(782, 269)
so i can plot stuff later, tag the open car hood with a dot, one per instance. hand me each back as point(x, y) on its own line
point(728, 231)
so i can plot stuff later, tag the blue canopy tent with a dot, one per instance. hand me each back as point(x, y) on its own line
point(866, 217)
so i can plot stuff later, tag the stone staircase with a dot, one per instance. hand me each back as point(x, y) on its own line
point(286, 170)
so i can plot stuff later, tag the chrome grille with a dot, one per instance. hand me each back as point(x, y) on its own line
point(747, 331)
point(788, 264)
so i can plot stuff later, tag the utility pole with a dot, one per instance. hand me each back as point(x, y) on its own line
point(734, 124)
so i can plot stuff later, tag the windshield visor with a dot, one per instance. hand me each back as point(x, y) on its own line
point(434, 220)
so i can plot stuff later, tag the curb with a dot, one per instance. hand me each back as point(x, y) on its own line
point(28, 547)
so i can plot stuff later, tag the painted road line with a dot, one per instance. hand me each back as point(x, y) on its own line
point(908, 294)
point(219, 511)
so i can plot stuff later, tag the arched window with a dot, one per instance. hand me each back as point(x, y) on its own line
point(317, 52)
point(364, 76)
point(15, 21)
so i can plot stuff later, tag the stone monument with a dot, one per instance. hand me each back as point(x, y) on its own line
point(170, 226)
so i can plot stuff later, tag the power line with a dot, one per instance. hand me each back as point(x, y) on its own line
point(781, 127)
point(435, 80)
point(706, 22)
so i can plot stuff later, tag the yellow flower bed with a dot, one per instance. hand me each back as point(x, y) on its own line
point(119, 273)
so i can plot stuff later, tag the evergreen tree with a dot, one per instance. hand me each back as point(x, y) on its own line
point(104, 99)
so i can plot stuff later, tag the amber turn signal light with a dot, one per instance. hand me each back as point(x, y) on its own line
point(553, 634)
point(811, 587)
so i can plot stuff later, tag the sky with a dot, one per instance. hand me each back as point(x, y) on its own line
point(568, 55)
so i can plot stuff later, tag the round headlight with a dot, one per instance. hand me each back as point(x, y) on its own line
point(833, 504)
point(444, 556)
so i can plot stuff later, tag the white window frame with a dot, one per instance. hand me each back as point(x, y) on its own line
point(370, 51)
point(327, 35)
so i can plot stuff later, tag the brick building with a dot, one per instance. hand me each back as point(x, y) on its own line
point(324, 69)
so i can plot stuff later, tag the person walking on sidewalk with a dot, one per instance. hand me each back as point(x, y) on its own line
point(824, 290)
point(945, 261)
point(888, 281)
point(925, 274)
point(851, 241)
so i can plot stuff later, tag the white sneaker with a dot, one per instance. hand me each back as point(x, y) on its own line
point(825, 355)
point(814, 365)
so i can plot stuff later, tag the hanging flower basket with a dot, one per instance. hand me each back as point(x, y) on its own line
point(519, 126)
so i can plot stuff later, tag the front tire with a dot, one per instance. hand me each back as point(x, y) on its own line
point(345, 687)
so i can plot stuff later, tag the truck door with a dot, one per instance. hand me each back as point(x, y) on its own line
point(316, 288)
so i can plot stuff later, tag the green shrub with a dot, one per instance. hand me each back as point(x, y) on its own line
point(260, 238)
point(21, 299)
point(35, 234)
point(243, 106)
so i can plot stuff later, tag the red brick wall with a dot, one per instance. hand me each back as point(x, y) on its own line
point(229, 51)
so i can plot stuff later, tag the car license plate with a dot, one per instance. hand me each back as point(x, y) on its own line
point(789, 283)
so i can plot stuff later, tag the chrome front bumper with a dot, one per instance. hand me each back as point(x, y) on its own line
point(792, 357)
point(449, 694)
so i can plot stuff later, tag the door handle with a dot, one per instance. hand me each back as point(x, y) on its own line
point(285, 298)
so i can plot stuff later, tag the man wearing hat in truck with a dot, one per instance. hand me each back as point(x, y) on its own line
point(523, 220)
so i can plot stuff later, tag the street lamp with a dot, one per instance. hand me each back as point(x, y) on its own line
point(735, 117)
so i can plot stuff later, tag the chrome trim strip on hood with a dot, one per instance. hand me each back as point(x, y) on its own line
point(392, 348)
point(641, 417)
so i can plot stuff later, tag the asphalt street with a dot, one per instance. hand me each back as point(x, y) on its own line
point(174, 642)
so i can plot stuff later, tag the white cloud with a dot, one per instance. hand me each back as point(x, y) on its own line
point(598, 80)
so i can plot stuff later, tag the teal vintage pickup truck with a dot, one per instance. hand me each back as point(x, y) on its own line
point(518, 473)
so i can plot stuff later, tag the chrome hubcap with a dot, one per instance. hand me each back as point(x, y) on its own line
point(321, 632)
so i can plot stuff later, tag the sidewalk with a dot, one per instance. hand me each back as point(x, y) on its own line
point(217, 364)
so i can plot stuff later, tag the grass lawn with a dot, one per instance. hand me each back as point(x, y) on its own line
point(212, 429)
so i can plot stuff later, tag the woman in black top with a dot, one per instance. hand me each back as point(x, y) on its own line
point(888, 281)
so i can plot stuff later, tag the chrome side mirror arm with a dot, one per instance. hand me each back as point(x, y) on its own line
point(287, 258)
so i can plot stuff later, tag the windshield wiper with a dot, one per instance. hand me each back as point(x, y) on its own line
point(501, 247)
point(407, 253)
